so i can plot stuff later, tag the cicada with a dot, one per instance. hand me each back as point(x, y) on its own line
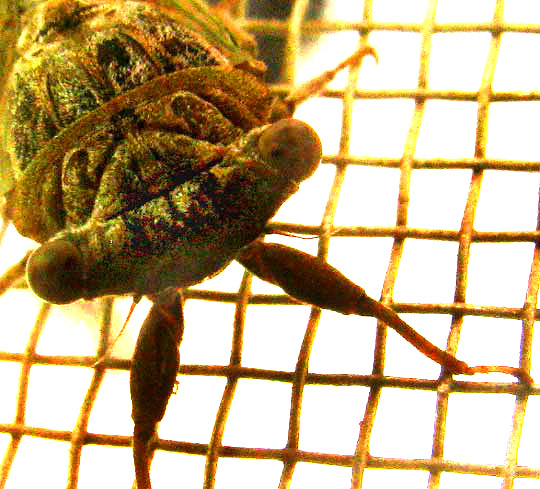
point(144, 153)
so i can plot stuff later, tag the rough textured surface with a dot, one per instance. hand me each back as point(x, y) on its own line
point(135, 139)
point(77, 55)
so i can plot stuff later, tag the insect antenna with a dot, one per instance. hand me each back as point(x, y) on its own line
point(14, 273)
point(101, 359)
point(334, 232)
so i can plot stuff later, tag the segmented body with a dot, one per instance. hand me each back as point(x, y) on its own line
point(135, 138)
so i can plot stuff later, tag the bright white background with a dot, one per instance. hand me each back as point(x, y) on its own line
point(478, 426)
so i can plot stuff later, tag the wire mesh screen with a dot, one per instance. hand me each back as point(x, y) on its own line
point(427, 197)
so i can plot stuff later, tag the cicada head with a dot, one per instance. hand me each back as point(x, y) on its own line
point(186, 232)
point(142, 146)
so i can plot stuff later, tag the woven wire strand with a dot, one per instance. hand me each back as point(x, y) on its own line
point(292, 31)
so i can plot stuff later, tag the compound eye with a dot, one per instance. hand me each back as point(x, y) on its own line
point(291, 146)
point(54, 272)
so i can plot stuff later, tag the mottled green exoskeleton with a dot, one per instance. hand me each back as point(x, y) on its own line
point(145, 153)
point(138, 151)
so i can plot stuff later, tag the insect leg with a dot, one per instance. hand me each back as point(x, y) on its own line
point(309, 279)
point(316, 85)
point(153, 374)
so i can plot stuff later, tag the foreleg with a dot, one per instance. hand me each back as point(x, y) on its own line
point(153, 374)
point(309, 279)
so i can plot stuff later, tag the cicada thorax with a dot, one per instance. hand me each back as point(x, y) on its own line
point(77, 55)
point(135, 144)
point(12, 20)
